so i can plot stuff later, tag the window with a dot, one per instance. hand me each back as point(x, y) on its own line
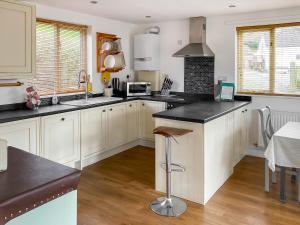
point(269, 59)
point(60, 54)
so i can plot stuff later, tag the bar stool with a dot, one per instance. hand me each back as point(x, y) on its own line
point(169, 205)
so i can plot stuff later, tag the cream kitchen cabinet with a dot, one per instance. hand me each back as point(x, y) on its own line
point(60, 137)
point(116, 125)
point(93, 131)
point(23, 134)
point(17, 39)
point(132, 119)
point(240, 134)
point(206, 153)
point(147, 123)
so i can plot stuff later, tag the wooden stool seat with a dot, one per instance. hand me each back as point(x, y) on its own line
point(170, 131)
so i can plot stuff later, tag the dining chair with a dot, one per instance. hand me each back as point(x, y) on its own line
point(267, 132)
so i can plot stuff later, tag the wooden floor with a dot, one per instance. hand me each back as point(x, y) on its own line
point(118, 190)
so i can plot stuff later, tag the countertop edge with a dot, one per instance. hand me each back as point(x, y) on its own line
point(28, 114)
point(158, 115)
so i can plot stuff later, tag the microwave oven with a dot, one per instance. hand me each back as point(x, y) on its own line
point(137, 88)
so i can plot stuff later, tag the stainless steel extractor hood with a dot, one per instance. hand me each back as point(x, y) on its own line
point(197, 46)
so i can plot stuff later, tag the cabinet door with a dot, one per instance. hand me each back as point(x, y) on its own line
point(132, 118)
point(17, 39)
point(93, 131)
point(245, 132)
point(60, 137)
point(147, 121)
point(116, 125)
point(237, 135)
point(22, 134)
point(240, 134)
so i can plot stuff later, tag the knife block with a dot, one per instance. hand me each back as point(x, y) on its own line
point(3, 155)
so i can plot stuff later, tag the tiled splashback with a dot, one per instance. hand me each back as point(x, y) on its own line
point(199, 75)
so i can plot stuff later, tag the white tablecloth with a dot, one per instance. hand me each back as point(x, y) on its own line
point(284, 147)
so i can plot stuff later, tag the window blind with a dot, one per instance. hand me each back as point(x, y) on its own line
point(268, 59)
point(61, 53)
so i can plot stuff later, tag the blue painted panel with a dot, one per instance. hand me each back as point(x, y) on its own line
point(61, 211)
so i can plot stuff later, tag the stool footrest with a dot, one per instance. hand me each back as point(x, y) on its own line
point(174, 167)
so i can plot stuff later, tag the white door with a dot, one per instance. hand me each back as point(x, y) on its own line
point(61, 137)
point(132, 119)
point(116, 125)
point(22, 134)
point(93, 129)
point(148, 108)
point(17, 39)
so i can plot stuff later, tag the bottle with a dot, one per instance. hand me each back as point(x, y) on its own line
point(54, 99)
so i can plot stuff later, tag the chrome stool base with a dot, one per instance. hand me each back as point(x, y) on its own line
point(171, 207)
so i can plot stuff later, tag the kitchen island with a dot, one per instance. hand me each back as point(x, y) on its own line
point(35, 191)
point(209, 153)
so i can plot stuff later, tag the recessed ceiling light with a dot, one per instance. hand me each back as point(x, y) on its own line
point(231, 6)
point(94, 2)
point(147, 17)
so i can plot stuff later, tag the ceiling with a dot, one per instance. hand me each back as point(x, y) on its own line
point(134, 11)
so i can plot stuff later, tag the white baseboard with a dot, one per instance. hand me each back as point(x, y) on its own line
point(256, 152)
point(96, 158)
point(147, 143)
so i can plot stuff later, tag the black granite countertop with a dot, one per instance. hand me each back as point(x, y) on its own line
point(21, 114)
point(201, 112)
point(188, 112)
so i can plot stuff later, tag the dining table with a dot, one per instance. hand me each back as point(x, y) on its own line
point(283, 151)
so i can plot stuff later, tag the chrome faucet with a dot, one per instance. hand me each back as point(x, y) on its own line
point(85, 81)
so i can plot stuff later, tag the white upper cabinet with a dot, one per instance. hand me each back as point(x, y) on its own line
point(17, 39)
point(147, 52)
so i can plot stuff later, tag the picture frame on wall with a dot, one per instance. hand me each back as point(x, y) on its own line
point(227, 91)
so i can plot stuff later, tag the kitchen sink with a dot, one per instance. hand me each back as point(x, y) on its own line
point(91, 101)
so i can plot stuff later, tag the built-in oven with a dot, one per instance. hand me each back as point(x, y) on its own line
point(137, 88)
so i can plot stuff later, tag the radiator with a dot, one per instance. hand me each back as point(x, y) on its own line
point(279, 119)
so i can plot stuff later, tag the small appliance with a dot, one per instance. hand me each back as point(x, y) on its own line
point(115, 82)
point(137, 88)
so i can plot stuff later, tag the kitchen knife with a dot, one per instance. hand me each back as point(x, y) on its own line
point(163, 85)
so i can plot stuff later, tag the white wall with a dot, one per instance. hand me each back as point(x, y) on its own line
point(221, 37)
point(97, 24)
point(173, 36)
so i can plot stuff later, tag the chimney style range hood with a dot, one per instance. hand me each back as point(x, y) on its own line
point(197, 46)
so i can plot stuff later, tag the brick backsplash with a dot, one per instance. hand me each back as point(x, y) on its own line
point(199, 75)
